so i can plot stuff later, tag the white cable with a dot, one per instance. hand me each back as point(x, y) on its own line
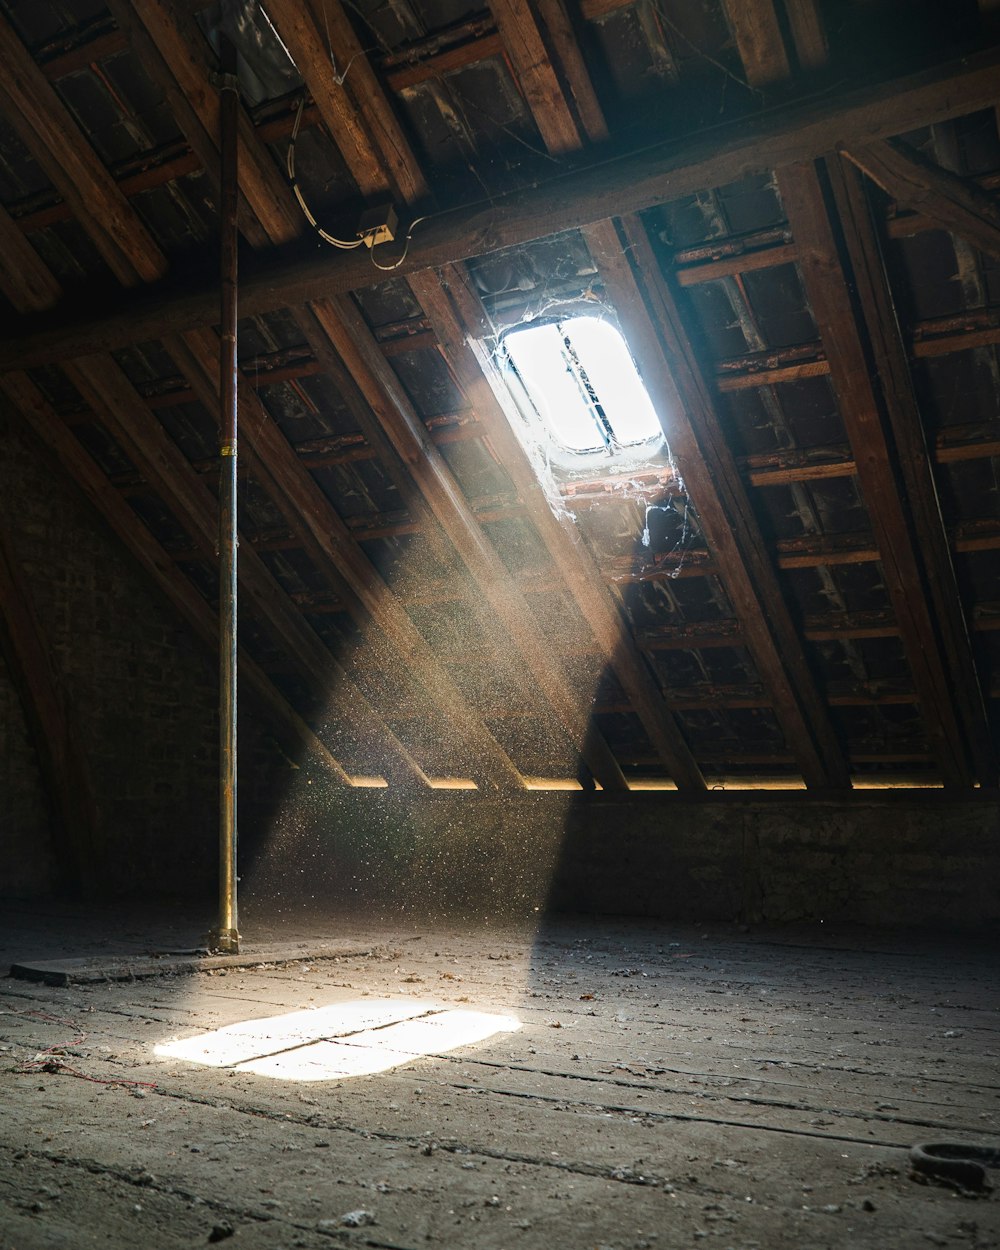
point(346, 244)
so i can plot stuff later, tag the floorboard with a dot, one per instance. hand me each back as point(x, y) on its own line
point(667, 1087)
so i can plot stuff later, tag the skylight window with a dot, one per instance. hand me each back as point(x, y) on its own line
point(580, 381)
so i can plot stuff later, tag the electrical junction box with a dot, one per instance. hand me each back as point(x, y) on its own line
point(378, 225)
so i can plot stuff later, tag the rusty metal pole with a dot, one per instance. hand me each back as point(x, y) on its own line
point(226, 937)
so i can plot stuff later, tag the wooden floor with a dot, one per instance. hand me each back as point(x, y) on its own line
point(668, 1087)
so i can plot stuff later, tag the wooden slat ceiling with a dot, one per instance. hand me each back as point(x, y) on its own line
point(800, 242)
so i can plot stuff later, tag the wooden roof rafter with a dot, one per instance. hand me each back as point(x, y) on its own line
point(667, 361)
point(159, 565)
point(358, 348)
point(177, 57)
point(105, 387)
point(52, 135)
point(900, 531)
point(334, 548)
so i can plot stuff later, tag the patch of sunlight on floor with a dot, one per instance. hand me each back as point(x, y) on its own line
point(341, 1040)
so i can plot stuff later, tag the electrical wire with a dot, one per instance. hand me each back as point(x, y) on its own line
point(406, 244)
point(345, 244)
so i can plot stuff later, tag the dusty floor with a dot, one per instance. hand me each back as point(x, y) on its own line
point(669, 1087)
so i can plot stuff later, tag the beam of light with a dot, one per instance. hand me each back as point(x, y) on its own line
point(340, 1040)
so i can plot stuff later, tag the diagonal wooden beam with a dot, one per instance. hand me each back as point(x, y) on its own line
point(681, 395)
point(55, 736)
point(827, 287)
point(105, 388)
point(353, 340)
point(51, 134)
point(335, 550)
point(157, 563)
point(25, 279)
point(455, 314)
point(521, 33)
point(629, 183)
point(579, 88)
point(175, 54)
point(955, 203)
point(349, 97)
point(757, 34)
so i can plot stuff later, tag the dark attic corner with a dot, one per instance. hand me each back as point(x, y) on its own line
point(499, 602)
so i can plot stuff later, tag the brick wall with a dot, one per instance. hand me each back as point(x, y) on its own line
point(914, 858)
point(140, 689)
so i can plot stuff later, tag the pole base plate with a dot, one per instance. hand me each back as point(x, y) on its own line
point(224, 941)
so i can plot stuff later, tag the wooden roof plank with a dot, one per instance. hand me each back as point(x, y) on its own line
point(631, 182)
point(177, 57)
point(51, 134)
point(667, 361)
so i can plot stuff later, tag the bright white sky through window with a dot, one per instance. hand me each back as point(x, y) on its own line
point(581, 378)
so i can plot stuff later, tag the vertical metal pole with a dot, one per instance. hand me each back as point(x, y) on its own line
point(226, 937)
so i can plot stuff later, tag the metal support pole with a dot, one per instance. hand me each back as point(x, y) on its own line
point(226, 937)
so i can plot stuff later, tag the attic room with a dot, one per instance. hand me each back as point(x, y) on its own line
point(499, 606)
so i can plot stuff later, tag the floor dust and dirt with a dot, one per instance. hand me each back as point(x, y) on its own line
point(668, 1087)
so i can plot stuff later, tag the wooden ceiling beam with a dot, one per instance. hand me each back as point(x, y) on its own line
point(455, 313)
point(359, 350)
point(827, 287)
point(955, 204)
point(25, 279)
point(334, 548)
point(533, 70)
point(105, 387)
point(176, 55)
point(818, 627)
point(632, 182)
point(50, 132)
point(876, 316)
point(350, 99)
point(654, 329)
point(157, 563)
point(312, 322)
